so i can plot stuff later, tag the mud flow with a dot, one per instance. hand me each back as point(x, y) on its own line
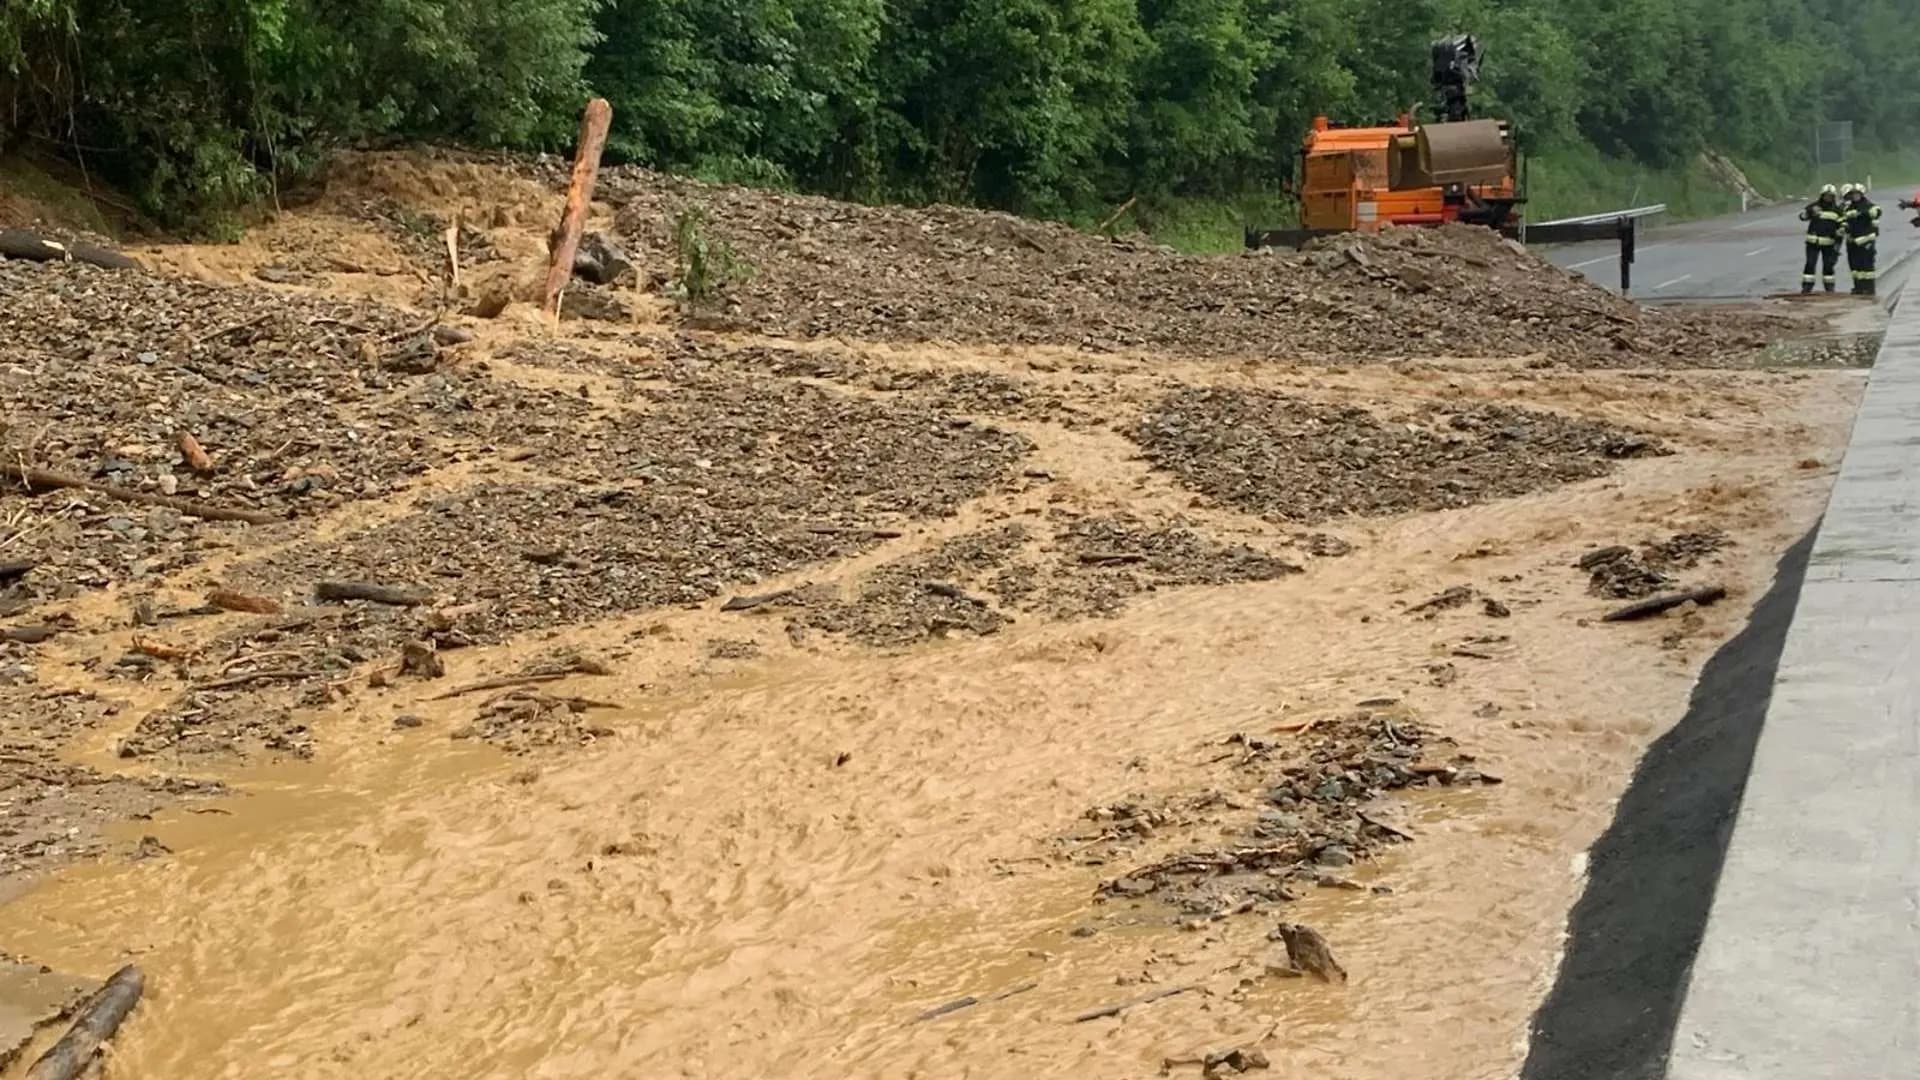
point(961, 647)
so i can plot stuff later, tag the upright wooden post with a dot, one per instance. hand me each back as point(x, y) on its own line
point(586, 169)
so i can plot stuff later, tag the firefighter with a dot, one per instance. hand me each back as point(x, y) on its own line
point(1863, 240)
point(1824, 218)
point(1846, 200)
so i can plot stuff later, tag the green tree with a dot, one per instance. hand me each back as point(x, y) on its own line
point(1015, 102)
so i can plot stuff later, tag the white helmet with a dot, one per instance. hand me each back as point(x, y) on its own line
point(1845, 189)
point(1829, 190)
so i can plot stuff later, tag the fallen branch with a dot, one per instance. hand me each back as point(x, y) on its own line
point(102, 1015)
point(953, 1006)
point(288, 675)
point(14, 571)
point(27, 635)
point(31, 478)
point(188, 613)
point(970, 1001)
point(748, 603)
point(233, 328)
point(854, 530)
point(1116, 215)
point(1116, 1010)
point(1111, 558)
point(1660, 605)
point(504, 682)
point(337, 592)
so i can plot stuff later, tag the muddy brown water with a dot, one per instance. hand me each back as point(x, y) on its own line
point(709, 893)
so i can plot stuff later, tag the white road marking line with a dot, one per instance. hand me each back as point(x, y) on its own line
point(1590, 262)
point(1761, 251)
point(1675, 281)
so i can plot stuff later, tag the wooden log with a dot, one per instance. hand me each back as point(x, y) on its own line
point(1115, 216)
point(453, 259)
point(1120, 1007)
point(1660, 605)
point(21, 244)
point(586, 171)
point(953, 1006)
point(27, 635)
point(1111, 558)
point(49, 479)
point(337, 592)
point(504, 682)
point(102, 1015)
point(279, 675)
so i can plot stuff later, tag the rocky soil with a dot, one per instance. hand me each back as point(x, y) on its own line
point(1294, 460)
point(1294, 813)
point(826, 269)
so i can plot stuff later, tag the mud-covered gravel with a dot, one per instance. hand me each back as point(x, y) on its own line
point(1290, 459)
point(820, 268)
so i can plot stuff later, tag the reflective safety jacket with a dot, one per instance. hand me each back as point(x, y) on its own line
point(1824, 221)
point(1863, 222)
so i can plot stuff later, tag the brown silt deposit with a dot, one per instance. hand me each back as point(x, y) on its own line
point(960, 648)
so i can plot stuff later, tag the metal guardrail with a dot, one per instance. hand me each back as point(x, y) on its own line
point(1621, 225)
point(1610, 215)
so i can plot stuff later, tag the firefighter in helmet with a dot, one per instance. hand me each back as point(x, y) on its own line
point(1824, 218)
point(1863, 240)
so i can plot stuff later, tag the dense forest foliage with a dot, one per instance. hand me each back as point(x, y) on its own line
point(1042, 106)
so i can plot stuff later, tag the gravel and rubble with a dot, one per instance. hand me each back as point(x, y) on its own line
point(822, 268)
point(1625, 573)
point(1105, 560)
point(1290, 459)
point(53, 811)
point(1075, 567)
point(1319, 807)
point(110, 376)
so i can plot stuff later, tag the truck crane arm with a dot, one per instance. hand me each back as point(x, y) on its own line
point(1456, 66)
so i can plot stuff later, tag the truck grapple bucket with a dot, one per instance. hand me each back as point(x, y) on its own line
point(1466, 152)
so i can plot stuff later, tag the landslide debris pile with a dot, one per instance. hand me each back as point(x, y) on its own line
point(1289, 459)
point(824, 268)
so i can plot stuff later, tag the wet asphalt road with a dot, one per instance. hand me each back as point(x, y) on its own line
point(1744, 255)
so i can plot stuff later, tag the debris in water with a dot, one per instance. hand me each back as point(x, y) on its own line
point(1307, 951)
point(1659, 605)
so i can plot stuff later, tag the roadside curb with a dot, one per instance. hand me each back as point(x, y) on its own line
point(1809, 968)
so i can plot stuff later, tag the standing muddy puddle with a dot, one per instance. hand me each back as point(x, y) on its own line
point(761, 708)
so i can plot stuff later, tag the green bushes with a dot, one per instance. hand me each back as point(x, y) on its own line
point(1054, 107)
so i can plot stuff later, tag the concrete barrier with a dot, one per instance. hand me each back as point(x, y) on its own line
point(1809, 968)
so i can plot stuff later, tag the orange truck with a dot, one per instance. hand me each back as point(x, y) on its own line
point(1365, 178)
point(1404, 172)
